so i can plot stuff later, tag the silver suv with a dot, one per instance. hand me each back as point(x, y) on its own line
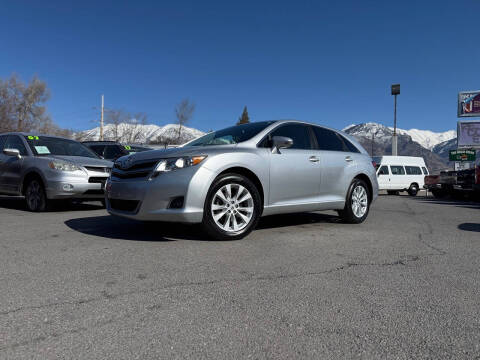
point(44, 168)
point(229, 178)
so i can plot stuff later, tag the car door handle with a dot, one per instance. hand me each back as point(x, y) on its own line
point(313, 159)
point(348, 158)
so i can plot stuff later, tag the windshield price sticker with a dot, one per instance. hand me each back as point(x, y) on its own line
point(30, 137)
point(41, 150)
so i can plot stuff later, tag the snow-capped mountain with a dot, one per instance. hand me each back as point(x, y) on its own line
point(444, 148)
point(141, 134)
point(426, 138)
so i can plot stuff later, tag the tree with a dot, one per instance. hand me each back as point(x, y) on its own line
point(184, 112)
point(244, 119)
point(22, 105)
point(125, 127)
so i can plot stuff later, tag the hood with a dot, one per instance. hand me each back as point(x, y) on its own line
point(83, 161)
point(180, 151)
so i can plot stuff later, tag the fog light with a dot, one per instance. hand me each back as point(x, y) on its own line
point(67, 187)
point(176, 203)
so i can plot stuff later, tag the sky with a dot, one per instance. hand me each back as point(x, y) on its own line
point(328, 62)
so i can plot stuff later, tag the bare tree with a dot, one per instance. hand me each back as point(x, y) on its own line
point(115, 118)
point(184, 112)
point(22, 105)
point(134, 128)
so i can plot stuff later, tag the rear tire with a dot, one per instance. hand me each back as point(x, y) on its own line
point(413, 190)
point(357, 203)
point(232, 208)
point(438, 194)
point(35, 196)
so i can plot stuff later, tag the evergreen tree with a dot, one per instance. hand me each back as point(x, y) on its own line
point(244, 119)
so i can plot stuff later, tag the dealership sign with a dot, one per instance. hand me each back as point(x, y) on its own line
point(469, 103)
point(468, 134)
point(462, 155)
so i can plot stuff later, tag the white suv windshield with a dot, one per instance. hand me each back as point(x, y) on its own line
point(44, 146)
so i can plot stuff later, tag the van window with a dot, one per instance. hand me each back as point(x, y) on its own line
point(425, 171)
point(397, 170)
point(383, 171)
point(413, 170)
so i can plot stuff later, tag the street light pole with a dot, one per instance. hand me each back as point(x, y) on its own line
point(395, 92)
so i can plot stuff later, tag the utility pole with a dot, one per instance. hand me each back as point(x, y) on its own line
point(101, 122)
point(395, 92)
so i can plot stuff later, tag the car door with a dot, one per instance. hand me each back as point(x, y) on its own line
point(3, 159)
point(398, 178)
point(338, 164)
point(12, 165)
point(294, 172)
point(383, 176)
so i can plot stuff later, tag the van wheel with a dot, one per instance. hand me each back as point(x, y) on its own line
point(232, 208)
point(413, 190)
point(35, 196)
point(357, 204)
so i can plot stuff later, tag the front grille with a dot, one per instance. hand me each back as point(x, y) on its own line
point(97, 180)
point(138, 170)
point(101, 169)
point(124, 205)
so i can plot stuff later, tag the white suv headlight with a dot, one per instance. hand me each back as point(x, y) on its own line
point(63, 166)
point(172, 164)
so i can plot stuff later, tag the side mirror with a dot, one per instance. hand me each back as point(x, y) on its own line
point(281, 142)
point(12, 152)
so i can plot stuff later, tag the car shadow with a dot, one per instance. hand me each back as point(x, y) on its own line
point(469, 227)
point(472, 204)
point(118, 228)
point(18, 203)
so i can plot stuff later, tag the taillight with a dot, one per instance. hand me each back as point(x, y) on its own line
point(374, 164)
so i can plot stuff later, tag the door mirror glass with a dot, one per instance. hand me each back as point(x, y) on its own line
point(12, 152)
point(281, 142)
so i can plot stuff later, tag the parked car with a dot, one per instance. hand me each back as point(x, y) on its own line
point(229, 178)
point(45, 168)
point(401, 173)
point(112, 150)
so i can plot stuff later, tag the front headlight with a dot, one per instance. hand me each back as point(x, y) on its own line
point(63, 166)
point(167, 165)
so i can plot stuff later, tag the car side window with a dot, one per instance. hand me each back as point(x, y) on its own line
point(351, 148)
point(328, 140)
point(297, 132)
point(397, 170)
point(413, 170)
point(383, 171)
point(2, 141)
point(14, 142)
point(425, 171)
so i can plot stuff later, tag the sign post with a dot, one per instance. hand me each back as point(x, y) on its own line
point(395, 92)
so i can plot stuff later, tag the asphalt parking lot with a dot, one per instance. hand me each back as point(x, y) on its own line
point(81, 284)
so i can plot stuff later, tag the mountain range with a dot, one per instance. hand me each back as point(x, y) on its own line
point(432, 146)
point(376, 138)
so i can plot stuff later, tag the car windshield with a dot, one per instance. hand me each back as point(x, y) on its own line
point(45, 145)
point(232, 135)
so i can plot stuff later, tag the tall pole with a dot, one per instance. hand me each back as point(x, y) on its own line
point(394, 140)
point(101, 122)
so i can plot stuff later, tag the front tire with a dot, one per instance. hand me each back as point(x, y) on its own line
point(232, 208)
point(35, 196)
point(413, 190)
point(357, 203)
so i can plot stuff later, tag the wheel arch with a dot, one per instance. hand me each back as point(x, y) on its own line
point(367, 181)
point(248, 174)
point(29, 175)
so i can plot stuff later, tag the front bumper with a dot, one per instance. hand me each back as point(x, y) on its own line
point(75, 190)
point(150, 200)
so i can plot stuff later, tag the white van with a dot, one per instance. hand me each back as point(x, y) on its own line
point(401, 173)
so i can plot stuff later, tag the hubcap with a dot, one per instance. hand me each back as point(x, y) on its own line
point(359, 201)
point(34, 195)
point(232, 207)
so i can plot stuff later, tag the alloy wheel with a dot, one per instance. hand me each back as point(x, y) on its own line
point(359, 201)
point(232, 207)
